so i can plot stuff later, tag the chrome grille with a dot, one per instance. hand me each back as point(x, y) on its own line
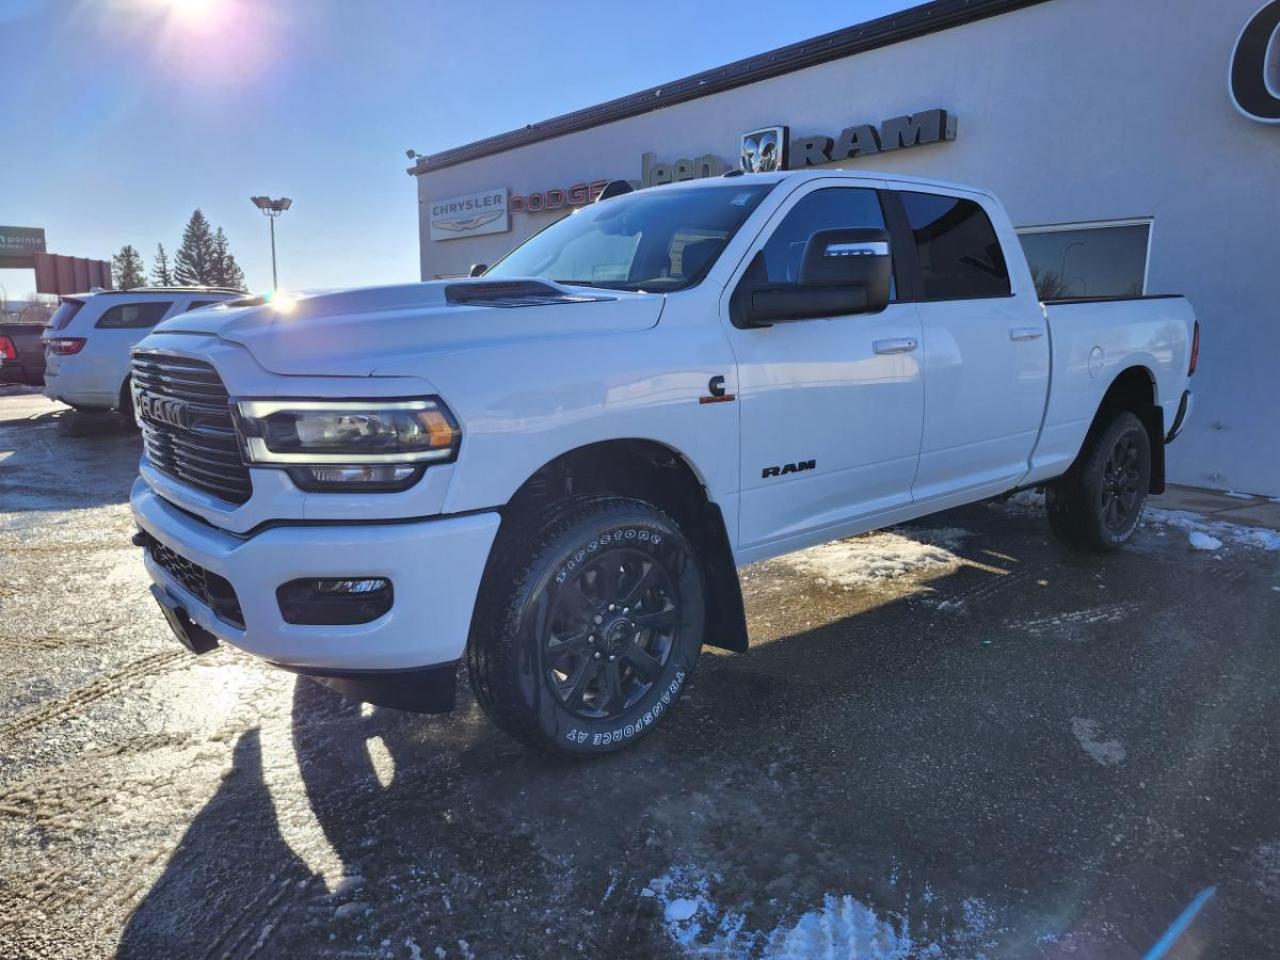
point(203, 453)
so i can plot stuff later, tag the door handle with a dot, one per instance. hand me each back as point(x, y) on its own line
point(1026, 333)
point(896, 345)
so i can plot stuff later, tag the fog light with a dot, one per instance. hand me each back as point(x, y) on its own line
point(362, 477)
point(334, 601)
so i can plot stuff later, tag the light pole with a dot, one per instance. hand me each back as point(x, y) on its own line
point(272, 209)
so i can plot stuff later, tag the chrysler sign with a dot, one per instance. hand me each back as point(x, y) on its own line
point(471, 215)
point(1254, 77)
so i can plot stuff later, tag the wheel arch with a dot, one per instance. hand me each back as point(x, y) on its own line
point(656, 473)
point(1134, 389)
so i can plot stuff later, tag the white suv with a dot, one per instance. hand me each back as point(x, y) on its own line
point(88, 339)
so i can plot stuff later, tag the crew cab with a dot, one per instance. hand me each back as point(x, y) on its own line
point(89, 336)
point(553, 471)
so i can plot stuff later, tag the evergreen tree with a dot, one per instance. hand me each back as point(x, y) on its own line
point(196, 259)
point(226, 269)
point(127, 269)
point(161, 274)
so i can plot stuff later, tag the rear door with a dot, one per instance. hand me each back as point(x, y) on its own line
point(122, 324)
point(985, 349)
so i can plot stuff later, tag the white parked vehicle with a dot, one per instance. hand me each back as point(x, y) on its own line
point(89, 336)
point(554, 470)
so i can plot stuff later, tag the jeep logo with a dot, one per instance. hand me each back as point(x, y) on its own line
point(788, 468)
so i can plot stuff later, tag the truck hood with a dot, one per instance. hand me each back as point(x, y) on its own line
point(359, 332)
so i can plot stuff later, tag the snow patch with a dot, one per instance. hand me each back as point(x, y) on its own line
point(874, 557)
point(1202, 541)
point(1260, 538)
point(1264, 866)
point(1109, 753)
point(842, 928)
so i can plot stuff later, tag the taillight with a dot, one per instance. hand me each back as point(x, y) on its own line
point(7, 350)
point(64, 346)
point(1195, 349)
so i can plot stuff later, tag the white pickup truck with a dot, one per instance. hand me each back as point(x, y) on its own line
point(554, 470)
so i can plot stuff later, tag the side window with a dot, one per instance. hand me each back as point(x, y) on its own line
point(956, 247)
point(133, 316)
point(828, 209)
point(197, 304)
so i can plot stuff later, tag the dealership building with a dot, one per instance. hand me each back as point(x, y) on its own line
point(1135, 144)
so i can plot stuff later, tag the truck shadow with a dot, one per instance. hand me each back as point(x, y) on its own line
point(64, 459)
point(918, 760)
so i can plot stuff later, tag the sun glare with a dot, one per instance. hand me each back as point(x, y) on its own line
point(196, 13)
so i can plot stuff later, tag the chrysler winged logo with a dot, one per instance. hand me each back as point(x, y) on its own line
point(466, 224)
point(764, 150)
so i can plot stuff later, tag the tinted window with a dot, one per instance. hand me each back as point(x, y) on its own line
point(956, 247)
point(133, 316)
point(656, 239)
point(1089, 261)
point(62, 316)
point(197, 304)
point(830, 209)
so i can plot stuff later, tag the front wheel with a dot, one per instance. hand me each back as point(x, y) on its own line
point(1097, 505)
point(589, 631)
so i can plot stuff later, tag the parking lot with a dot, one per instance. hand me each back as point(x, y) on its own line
point(953, 739)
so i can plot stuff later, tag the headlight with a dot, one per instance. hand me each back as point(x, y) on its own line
point(348, 444)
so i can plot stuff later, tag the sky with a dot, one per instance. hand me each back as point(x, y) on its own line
point(122, 116)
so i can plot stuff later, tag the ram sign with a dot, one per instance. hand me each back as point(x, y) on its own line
point(471, 215)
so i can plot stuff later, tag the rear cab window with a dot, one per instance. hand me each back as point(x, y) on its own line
point(133, 316)
point(65, 313)
point(957, 252)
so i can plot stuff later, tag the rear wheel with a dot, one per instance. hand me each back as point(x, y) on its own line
point(590, 629)
point(1097, 505)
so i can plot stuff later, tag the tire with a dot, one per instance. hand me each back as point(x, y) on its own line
point(569, 655)
point(126, 400)
point(1097, 505)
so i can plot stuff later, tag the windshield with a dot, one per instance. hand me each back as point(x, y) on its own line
point(648, 240)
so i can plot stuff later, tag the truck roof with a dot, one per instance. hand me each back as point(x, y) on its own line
point(824, 173)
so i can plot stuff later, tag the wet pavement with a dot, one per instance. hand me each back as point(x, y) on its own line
point(953, 739)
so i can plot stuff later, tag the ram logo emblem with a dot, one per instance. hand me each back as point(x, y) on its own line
point(786, 468)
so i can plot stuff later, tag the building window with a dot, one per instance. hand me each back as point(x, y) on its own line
point(1075, 260)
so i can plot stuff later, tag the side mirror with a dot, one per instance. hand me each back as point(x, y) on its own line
point(477, 270)
point(844, 271)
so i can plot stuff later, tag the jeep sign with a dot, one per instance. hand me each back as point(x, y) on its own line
point(471, 215)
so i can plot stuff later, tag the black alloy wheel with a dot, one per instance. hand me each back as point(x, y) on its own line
point(610, 633)
point(589, 629)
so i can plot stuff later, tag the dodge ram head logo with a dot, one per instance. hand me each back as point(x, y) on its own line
point(764, 151)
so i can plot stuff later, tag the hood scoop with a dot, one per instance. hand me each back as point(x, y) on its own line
point(514, 293)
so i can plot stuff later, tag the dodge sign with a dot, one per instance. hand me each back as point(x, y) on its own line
point(471, 215)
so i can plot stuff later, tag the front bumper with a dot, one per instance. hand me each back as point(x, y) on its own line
point(434, 565)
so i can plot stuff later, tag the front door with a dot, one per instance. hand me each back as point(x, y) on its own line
point(830, 409)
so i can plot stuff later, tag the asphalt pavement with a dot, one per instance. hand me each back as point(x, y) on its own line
point(953, 739)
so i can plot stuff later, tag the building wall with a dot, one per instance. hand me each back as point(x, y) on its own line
point(1070, 111)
